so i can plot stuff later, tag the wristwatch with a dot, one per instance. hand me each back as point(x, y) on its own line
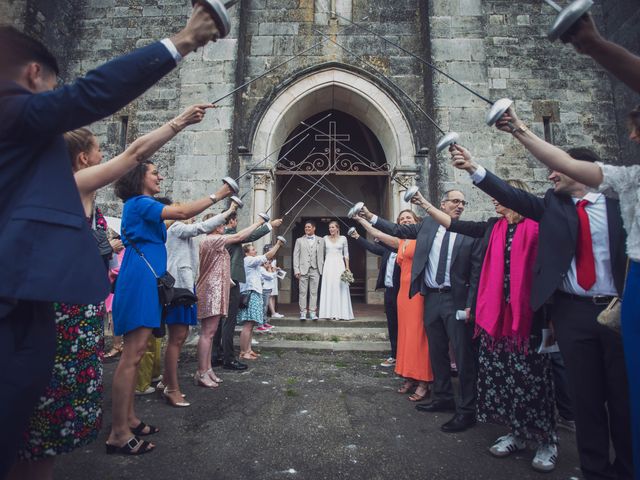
point(522, 128)
point(213, 197)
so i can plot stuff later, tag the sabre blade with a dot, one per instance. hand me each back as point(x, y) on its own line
point(413, 102)
point(420, 59)
point(339, 197)
point(328, 210)
point(553, 5)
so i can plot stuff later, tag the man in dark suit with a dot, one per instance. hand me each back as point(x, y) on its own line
point(48, 251)
point(389, 279)
point(446, 270)
point(223, 352)
point(580, 267)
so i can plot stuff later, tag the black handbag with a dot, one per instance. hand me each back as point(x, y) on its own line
point(184, 297)
point(165, 282)
point(244, 300)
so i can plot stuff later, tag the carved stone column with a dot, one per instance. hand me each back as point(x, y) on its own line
point(262, 182)
point(402, 180)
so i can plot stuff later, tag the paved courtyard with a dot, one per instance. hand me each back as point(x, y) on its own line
point(304, 415)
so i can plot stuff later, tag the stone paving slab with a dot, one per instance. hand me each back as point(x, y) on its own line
point(304, 416)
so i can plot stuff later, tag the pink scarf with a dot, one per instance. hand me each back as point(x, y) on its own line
point(499, 319)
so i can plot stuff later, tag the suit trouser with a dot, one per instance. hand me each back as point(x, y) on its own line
point(631, 340)
point(150, 364)
point(27, 352)
point(442, 327)
point(598, 383)
point(391, 310)
point(223, 339)
point(309, 283)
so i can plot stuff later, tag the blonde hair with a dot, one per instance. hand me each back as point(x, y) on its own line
point(78, 141)
point(336, 224)
point(519, 184)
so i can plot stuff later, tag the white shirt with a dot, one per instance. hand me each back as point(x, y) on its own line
point(252, 272)
point(172, 50)
point(625, 181)
point(434, 258)
point(597, 211)
point(388, 274)
point(268, 278)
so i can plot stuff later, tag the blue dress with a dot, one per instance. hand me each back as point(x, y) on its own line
point(135, 301)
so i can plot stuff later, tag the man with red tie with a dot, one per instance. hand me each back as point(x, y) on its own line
point(580, 267)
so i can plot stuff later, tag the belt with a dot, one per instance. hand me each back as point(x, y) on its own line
point(595, 299)
point(438, 290)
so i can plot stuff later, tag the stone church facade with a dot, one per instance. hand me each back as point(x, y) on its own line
point(366, 98)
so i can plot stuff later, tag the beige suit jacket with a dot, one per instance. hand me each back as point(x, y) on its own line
point(303, 252)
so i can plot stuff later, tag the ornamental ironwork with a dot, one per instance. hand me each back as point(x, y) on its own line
point(335, 157)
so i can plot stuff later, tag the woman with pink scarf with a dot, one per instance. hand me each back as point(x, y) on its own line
point(515, 383)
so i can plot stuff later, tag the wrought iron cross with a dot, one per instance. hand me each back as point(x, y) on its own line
point(332, 138)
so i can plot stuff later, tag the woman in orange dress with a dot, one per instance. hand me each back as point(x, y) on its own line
point(412, 358)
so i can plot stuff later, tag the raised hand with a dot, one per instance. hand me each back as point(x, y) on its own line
point(200, 30)
point(193, 114)
point(583, 35)
point(461, 158)
point(418, 199)
point(364, 213)
point(508, 121)
point(354, 233)
point(275, 223)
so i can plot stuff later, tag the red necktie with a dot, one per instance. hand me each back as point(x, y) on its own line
point(585, 264)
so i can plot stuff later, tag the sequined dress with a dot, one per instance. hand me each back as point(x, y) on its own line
point(214, 282)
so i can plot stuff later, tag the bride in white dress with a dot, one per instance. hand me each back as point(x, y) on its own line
point(335, 298)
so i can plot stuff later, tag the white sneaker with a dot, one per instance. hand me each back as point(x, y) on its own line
point(303, 316)
point(546, 458)
point(277, 315)
point(148, 391)
point(389, 362)
point(506, 445)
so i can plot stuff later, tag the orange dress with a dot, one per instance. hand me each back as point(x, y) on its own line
point(412, 358)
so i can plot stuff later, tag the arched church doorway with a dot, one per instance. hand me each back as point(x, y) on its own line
point(346, 158)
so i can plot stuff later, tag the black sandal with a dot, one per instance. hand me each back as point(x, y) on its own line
point(139, 430)
point(133, 447)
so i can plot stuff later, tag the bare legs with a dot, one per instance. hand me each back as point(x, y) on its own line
point(272, 304)
point(207, 331)
point(124, 383)
point(177, 336)
point(245, 340)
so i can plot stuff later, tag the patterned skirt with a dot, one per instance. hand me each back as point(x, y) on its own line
point(254, 311)
point(69, 414)
point(515, 389)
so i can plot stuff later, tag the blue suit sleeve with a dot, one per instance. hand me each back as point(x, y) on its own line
point(100, 93)
point(400, 231)
point(525, 203)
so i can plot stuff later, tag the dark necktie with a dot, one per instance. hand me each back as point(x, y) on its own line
point(442, 261)
point(585, 263)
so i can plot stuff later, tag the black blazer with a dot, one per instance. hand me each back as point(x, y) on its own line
point(558, 221)
point(48, 251)
point(383, 251)
point(466, 259)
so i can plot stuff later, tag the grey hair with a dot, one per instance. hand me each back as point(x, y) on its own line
point(445, 195)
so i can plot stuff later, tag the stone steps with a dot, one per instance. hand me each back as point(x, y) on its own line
point(324, 334)
point(268, 344)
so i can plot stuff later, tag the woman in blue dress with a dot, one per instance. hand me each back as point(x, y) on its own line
point(136, 307)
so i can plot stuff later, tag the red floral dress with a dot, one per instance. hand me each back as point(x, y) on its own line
point(69, 414)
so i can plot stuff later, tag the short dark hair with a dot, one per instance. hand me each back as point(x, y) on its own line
point(583, 153)
point(232, 216)
point(311, 222)
point(130, 184)
point(164, 200)
point(18, 49)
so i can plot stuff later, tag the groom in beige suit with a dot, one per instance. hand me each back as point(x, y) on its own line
point(308, 259)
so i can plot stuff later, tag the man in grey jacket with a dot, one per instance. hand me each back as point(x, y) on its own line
point(223, 352)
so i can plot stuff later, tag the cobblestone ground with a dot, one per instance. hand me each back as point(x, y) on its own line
point(308, 415)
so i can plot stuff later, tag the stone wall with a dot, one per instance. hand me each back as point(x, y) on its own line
point(500, 49)
point(620, 25)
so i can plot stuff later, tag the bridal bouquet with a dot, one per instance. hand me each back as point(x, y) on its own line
point(347, 277)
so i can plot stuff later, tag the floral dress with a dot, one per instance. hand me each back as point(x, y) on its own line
point(515, 387)
point(69, 414)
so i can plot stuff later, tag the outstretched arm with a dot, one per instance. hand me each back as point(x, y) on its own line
point(438, 215)
point(553, 157)
point(243, 234)
point(92, 178)
point(393, 242)
point(191, 209)
point(586, 39)
point(525, 203)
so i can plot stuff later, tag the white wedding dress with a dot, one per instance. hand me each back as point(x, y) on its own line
point(335, 297)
